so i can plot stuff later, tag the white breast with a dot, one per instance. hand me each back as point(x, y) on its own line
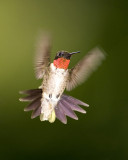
point(56, 81)
point(53, 89)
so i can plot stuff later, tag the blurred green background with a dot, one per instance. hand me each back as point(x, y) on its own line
point(102, 133)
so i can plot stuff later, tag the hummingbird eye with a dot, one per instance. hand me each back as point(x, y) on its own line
point(60, 54)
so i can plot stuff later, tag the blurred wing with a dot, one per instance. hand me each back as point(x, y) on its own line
point(42, 58)
point(84, 68)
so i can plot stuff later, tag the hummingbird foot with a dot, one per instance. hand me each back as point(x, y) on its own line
point(51, 117)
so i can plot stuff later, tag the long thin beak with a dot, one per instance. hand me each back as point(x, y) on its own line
point(74, 52)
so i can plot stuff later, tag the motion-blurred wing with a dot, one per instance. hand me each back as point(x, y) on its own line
point(42, 58)
point(84, 68)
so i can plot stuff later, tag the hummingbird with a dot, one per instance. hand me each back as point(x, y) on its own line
point(49, 101)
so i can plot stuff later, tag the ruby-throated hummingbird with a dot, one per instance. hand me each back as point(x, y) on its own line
point(48, 101)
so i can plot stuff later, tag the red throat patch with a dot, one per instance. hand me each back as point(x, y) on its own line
point(61, 63)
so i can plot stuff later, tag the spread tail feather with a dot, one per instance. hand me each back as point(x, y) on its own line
point(65, 107)
point(33, 95)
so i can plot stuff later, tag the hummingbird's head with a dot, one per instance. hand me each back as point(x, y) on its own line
point(62, 59)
